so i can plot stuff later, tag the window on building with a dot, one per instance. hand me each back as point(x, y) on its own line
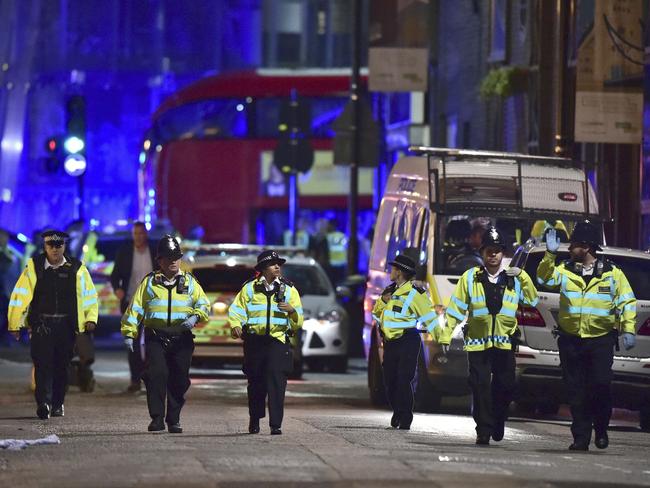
point(498, 30)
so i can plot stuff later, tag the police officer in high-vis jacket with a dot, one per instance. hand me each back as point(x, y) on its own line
point(168, 303)
point(55, 299)
point(488, 296)
point(265, 313)
point(596, 302)
point(401, 307)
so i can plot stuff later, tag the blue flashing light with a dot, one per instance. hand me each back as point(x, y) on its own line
point(143, 157)
point(240, 107)
point(147, 225)
point(152, 193)
point(152, 202)
point(21, 237)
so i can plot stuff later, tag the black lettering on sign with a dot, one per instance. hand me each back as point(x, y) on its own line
point(407, 184)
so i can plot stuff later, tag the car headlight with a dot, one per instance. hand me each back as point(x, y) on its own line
point(331, 316)
point(219, 307)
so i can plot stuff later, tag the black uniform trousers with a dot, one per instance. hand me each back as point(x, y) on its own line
point(400, 373)
point(587, 371)
point(492, 381)
point(167, 373)
point(52, 343)
point(267, 364)
point(136, 365)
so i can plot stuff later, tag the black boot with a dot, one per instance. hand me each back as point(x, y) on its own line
point(58, 411)
point(602, 440)
point(156, 425)
point(175, 428)
point(43, 411)
point(254, 426)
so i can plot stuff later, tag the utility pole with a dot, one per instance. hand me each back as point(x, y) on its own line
point(355, 92)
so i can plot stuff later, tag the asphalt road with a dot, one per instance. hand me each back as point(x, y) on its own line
point(332, 437)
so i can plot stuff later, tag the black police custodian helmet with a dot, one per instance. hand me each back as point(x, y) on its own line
point(587, 232)
point(404, 263)
point(54, 235)
point(168, 247)
point(494, 238)
point(267, 258)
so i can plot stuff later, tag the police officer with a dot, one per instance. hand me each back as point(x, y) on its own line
point(169, 303)
point(399, 310)
point(594, 295)
point(265, 312)
point(489, 296)
point(55, 299)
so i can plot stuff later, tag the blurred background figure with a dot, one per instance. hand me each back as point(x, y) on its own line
point(303, 234)
point(337, 245)
point(318, 248)
point(9, 272)
point(134, 260)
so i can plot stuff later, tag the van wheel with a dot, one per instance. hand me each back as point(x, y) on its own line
point(427, 399)
point(644, 417)
point(548, 408)
point(338, 364)
point(376, 377)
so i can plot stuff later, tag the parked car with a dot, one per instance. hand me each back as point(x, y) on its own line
point(539, 377)
point(222, 269)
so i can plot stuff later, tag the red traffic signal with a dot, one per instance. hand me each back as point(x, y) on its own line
point(51, 144)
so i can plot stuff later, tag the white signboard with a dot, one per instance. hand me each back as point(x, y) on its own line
point(396, 69)
point(608, 117)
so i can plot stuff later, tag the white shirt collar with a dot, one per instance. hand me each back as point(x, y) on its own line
point(49, 265)
point(267, 285)
point(173, 280)
point(493, 278)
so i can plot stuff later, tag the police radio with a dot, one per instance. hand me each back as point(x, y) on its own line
point(280, 292)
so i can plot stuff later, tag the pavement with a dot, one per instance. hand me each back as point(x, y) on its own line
point(332, 437)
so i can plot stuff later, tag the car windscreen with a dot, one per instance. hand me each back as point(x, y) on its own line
point(223, 278)
point(309, 280)
point(636, 270)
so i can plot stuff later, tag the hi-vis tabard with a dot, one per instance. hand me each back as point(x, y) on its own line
point(483, 330)
point(408, 306)
point(160, 306)
point(258, 310)
point(590, 310)
point(87, 306)
point(337, 243)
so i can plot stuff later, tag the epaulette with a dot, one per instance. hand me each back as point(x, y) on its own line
point(285, 281)
point(419, 289)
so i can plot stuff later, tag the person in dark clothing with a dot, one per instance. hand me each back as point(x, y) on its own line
point(55, 299)
point(134, 260)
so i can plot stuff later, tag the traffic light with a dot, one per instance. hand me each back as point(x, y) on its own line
point(294, 153)
point(74, 142)
point(53, 158)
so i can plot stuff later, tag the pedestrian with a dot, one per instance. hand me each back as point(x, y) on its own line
point(266, 312)
point(55, 299)
point(9, 273)
point(134, 260)
point(168, 303)
point(399, 310)
point(337, 245)
point(489, 296)
point(594, 296)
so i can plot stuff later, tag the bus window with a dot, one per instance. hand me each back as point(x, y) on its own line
point(324, 110)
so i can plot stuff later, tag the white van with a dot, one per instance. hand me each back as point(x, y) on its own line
point(434, 208)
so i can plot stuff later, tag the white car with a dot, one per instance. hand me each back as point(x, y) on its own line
point(539, 377)
point(222, 269)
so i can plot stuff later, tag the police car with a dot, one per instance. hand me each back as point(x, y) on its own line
point(539, 377)
point(222, 269)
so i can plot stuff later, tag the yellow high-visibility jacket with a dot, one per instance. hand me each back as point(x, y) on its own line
point(87, 309)
point(408, 306)
point(590, 310)
point(158, 306)
point(337, 244)
point(259, 311)
point(483, 330)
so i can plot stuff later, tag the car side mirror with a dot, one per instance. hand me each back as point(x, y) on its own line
point(343, 291)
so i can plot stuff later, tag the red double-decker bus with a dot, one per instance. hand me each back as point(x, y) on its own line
point(208, 158)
